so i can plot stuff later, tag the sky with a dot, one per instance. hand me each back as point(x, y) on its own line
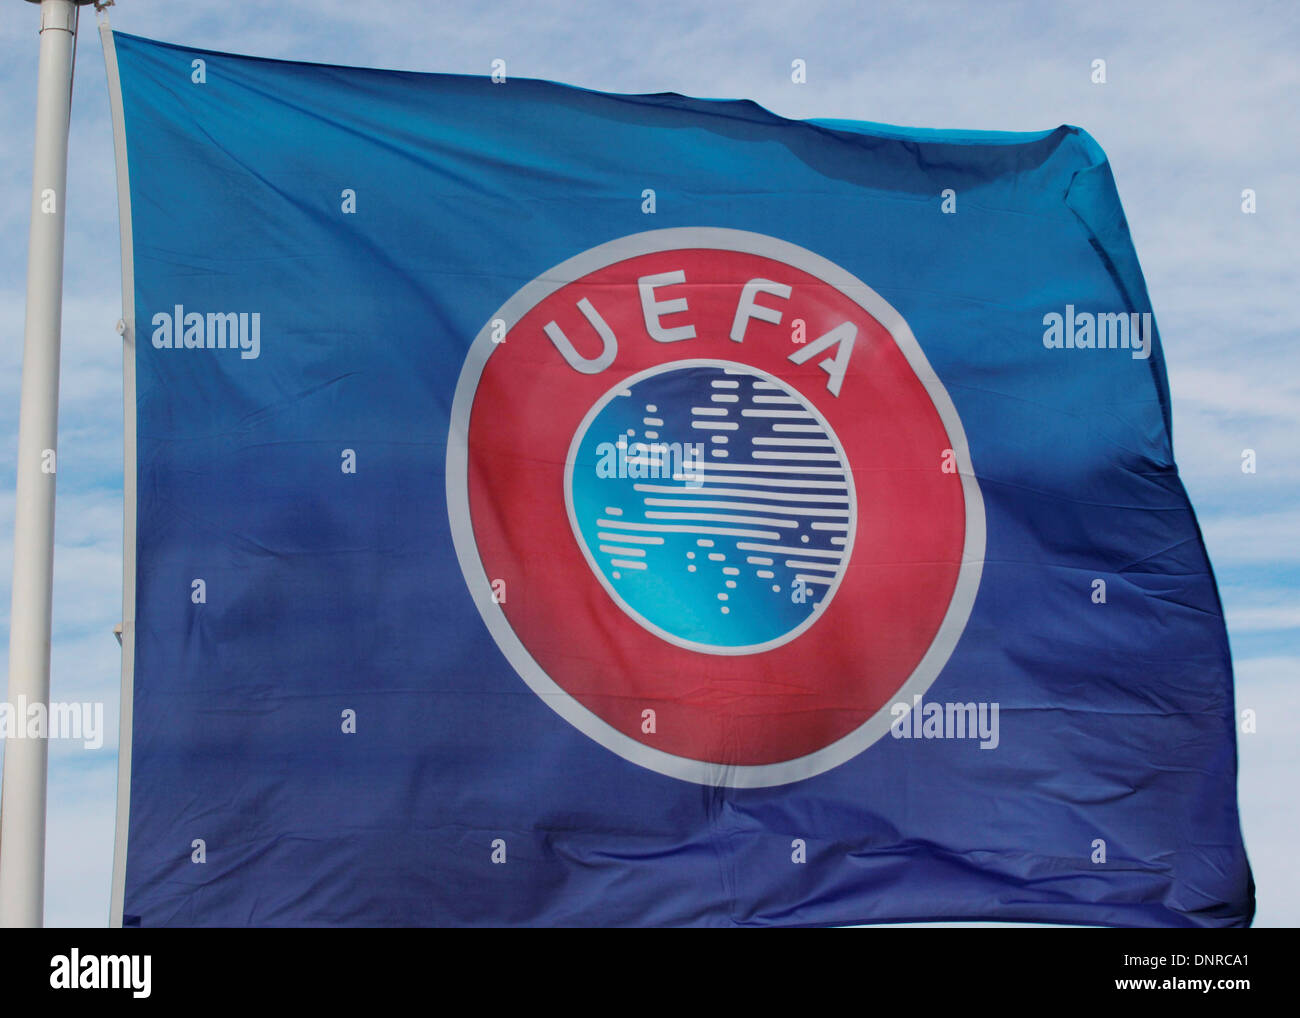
point(1198, 105)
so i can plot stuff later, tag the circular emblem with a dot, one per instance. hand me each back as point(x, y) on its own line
point(713, 504)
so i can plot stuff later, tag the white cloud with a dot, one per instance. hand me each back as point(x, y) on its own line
point(1265, 537)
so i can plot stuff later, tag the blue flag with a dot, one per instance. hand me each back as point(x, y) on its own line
point(555, 507)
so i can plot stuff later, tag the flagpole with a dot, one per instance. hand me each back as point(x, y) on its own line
point(22, 820)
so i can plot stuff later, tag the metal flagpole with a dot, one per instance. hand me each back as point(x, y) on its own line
point(22, 832)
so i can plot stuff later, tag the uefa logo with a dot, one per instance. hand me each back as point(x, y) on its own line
point(728, 501)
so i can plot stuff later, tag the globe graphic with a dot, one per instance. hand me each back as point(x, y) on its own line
point(714, 504)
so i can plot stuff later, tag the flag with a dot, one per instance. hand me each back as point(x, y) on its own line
point(547, 506)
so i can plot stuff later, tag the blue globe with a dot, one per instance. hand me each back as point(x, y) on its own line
point(714, 503)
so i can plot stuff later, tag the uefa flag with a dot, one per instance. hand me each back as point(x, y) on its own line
point(551, 507)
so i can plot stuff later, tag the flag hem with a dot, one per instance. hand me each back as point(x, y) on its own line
point(123, 810)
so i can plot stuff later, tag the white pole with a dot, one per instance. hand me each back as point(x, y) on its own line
point(22, 822)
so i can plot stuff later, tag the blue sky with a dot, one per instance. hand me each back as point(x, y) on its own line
point(1199, 104)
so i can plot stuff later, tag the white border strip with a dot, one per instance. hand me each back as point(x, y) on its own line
point(128, 485)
